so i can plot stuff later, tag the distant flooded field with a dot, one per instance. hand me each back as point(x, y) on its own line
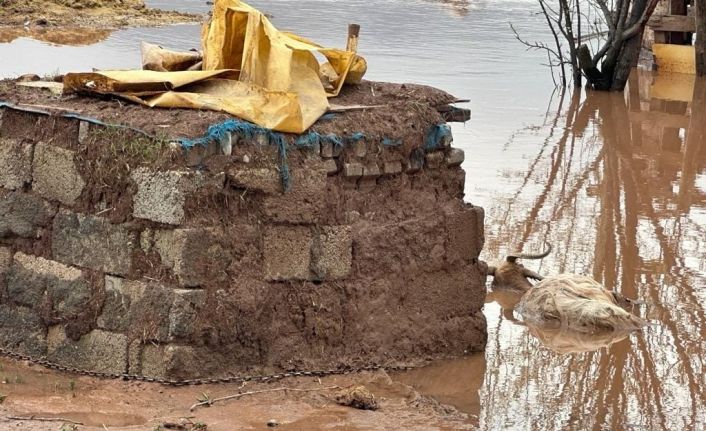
point(616, 183)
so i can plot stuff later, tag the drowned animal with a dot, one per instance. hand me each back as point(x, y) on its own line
point(568, 301)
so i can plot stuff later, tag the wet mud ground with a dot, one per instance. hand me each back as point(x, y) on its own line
point(115, 405)
point(617, 183)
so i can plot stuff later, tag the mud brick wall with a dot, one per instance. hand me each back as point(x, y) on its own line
point(119, 253)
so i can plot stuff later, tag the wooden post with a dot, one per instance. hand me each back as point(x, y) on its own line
point(700, 45)
point(353, 33)
point(678, 8)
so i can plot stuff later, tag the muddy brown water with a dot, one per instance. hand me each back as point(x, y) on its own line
point(617, 183)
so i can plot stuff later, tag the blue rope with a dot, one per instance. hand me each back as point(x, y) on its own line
point(435, 135)
point(246, 130)
point(387, 142)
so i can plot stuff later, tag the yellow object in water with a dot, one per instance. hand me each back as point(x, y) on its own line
point(675, 58)
point(250, 70)
point(673, 86)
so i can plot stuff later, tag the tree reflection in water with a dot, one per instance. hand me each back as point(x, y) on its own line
point(618, 186)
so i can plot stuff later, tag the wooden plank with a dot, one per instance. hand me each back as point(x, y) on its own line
point(671, 23)
point(665, 120)
point(678, 7)
point(454, 114)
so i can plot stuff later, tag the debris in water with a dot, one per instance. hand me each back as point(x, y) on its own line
point(358, 397)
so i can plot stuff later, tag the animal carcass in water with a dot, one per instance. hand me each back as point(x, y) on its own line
point(578, 303)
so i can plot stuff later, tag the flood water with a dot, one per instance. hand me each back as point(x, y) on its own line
point(616, 183)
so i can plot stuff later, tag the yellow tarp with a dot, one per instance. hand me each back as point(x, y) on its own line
point(250, 70)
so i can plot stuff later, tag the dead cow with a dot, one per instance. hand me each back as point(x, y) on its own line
point(579, 303)
point(568, 300)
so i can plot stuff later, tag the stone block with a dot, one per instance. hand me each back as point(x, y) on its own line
point(392, 168)
point(312, 150)
point(435, 160)
point(264, 180)
point(84, 129)
point(371, 170)
point(287, 252)
point(332, 253)
point(92, 242)
point(37, 282)
point(55, 175)
point(22, 330)
point(136, 308)
point(329, 150)
point(360, 148)
point(174, 361)
point(331, 167)
point(194, 255)
point(15, 164)
point(187, 305)
point(98, 350)
point(160, 196)
point(353, 170)
point(455, 157)
point(305, 201)
point(22, 214)
point(465, 233)
point(416, 161)
point(199, 154)
point(156, 360)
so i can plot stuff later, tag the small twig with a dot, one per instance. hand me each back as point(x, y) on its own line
point(104, 211)
point(210, 402)
point(39, 419)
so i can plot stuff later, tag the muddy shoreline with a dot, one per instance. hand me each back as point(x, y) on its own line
point(308, 403)
point(95, 14)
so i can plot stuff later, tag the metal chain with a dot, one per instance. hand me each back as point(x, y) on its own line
point(204, 381)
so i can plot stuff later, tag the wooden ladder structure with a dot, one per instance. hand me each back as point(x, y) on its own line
point(684, 24)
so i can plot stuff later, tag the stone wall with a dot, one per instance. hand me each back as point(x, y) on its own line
point(121, 253)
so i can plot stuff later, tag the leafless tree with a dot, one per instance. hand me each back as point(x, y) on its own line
point(598, 39)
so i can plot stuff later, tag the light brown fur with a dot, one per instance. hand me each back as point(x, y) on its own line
point(579, 303)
